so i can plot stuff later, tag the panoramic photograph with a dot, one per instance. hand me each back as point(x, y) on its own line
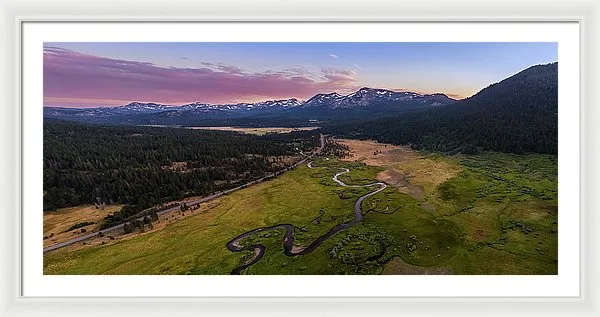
point(300, 158)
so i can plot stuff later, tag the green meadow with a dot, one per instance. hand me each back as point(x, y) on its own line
point(497, 216)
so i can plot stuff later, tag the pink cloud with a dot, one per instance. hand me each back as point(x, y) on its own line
point(75, 79)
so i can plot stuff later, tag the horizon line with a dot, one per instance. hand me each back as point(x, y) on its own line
point(126, 103)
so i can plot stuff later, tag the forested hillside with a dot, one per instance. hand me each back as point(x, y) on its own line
point(518, 115)
point(143, 166)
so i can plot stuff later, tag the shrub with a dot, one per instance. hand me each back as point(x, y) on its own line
point(77, 226)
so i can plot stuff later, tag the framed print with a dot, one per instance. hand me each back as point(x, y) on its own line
point(366, 160)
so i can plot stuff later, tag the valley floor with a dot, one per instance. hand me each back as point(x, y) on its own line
point(486, 214)
point(255, 131)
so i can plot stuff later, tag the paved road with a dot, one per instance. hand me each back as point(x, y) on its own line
point(289, 248)
point(192, 203)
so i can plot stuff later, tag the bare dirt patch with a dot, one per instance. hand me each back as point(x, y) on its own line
point(479, 235)
point(401, 180)
point(399, 267)
point(428, 206)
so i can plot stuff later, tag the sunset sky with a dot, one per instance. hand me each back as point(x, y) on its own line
point(108, 74)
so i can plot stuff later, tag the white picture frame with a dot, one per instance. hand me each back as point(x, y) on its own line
point(15, 13)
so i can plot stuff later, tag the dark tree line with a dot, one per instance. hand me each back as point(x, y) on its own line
point(518, 115)
point(88, 164)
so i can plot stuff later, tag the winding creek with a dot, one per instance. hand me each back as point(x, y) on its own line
point(289, 248)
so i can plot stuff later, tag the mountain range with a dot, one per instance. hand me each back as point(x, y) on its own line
point(374, 102)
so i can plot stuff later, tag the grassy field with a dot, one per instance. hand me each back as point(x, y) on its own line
point(486, 214)
point(255, 131)
point(66, 223)
point(197, 244)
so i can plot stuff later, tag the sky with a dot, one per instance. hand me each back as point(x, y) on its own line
point(95, 74)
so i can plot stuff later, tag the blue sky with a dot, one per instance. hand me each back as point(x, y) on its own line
point(241, 71)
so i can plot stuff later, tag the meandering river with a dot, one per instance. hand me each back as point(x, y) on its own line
point(289, 248)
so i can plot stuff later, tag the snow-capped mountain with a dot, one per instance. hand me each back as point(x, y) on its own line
point(366, 97)
point(324, 100)
point(273, 104)
point(139, 107)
